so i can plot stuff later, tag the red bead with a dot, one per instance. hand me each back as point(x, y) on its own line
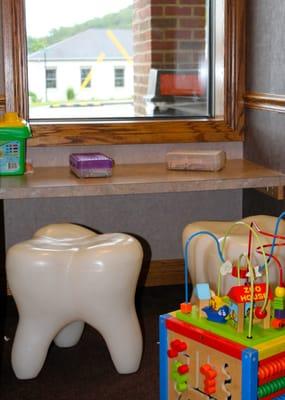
point(211, 374)
point(261, 373)
point(186, 308)
point(183, 369)
point(178, 345)
point(210, 389)
point(242, 272)
point(172, 353)
point(182, 346)
point(282, 361)
point(205, 368)
point(174, 344)
point(259, 313)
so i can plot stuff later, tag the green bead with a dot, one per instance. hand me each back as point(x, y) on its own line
point(181, 387)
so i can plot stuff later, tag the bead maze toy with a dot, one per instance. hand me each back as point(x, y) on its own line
point(229, 346)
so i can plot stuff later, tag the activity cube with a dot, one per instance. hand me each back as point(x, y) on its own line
point(228, 343)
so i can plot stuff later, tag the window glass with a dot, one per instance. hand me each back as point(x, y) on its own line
point(51, 78)
point(85, 77)
point(119, 77)
point(136, 58)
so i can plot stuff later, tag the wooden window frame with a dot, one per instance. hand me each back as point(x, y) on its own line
point(228, 127)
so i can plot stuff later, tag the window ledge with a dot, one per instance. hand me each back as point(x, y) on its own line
point(137, 179)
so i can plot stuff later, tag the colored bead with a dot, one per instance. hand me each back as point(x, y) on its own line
point(183, 369)
point(211, 374)
point(280, 291)
point(186, 308)
point(261, 373)
point(181, 387)
point(178, 345)
point(182, 346)
point(259, 313)
point(276, 323)
point(205, 368)
point(210, 389)
point(280, 314)
point(279, 303)
point(172, 353)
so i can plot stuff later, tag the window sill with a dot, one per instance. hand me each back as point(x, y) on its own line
point(137, 179)
point(133, 132)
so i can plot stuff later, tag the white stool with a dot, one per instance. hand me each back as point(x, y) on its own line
point(203, 259)
point(67, 275)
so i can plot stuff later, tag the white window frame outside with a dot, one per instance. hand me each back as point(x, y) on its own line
point(85, 68)
point(120, 78)
point(50, 80)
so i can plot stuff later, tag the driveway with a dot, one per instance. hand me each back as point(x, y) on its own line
point(102, 111)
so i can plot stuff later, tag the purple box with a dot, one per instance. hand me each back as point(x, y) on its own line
point(88, 165)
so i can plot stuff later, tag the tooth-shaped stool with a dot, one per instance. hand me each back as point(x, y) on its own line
point(67, 275)
point(203, 259)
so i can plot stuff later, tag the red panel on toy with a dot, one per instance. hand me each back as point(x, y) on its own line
point(231, 348)
point(242, 294)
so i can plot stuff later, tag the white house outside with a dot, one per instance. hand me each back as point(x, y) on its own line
point(95, 64)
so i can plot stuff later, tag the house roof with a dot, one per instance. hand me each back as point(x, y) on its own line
point(112, 44)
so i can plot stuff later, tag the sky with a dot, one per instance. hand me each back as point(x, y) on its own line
point(57, 13)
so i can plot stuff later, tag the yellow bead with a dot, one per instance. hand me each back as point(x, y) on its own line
point(280, 291)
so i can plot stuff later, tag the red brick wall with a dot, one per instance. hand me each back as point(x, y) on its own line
point(167, 34)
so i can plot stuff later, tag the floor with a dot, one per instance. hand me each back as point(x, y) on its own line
point(86, 371)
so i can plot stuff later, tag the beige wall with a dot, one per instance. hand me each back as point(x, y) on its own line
point(265, 74)
point(127, 154)
point(1, 59)
point(158, 219)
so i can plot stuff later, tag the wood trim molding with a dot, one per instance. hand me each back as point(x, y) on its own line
point(15, 56)
point(265, 102)
point(163, 273)
point(2, 103)
point(235, 61)
point(276, 192)
point(133, 132)
point(229, 127)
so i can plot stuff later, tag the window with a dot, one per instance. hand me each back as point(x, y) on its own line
point(165, 66)
point(225, 122)
point(119, 77)
point(51, 78)
point(85, 77)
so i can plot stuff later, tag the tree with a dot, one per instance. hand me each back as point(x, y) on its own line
point(70, 94)
point(121, 19)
